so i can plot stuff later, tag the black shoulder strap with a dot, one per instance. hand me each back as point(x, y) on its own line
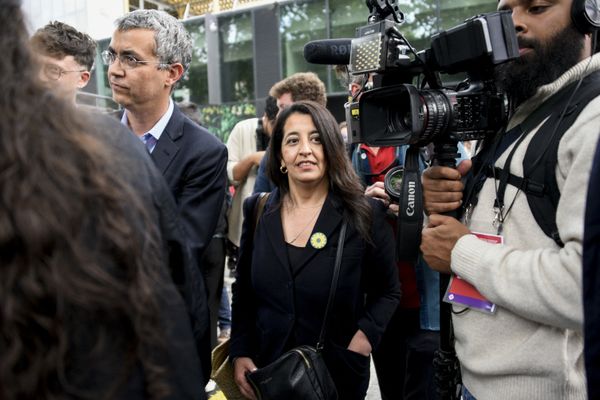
point(410, 215)
point(539, 164)
point(334, 283)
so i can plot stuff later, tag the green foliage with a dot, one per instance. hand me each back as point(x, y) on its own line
point(220, 119)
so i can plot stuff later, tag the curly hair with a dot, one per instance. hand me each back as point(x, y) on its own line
point(302, 86)
point(59, 40)
point(343, 181)
point(80, 259)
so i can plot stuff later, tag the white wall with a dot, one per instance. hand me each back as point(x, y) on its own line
point(94, 17)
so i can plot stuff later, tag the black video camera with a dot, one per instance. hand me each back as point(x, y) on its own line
point(396, 112)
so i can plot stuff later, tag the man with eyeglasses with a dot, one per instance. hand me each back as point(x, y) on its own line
point(148, 54)
point(66, 58)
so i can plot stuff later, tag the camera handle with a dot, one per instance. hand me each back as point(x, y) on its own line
point(382, 9)
point(447, 367)
point(410, 223)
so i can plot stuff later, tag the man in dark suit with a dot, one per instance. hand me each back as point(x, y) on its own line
point(149, 52)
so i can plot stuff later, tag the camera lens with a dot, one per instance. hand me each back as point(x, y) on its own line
point(436, 109)
point(407, 120)
point(393, 183)
point(399, 113)
point(399, 120)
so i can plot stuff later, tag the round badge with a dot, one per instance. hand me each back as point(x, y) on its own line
point(318, 240)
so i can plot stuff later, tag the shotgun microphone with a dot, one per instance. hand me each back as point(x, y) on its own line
point(328, 51)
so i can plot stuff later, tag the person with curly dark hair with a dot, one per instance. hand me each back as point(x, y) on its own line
point(88, 307)
point(65, 56)
point(299, 86)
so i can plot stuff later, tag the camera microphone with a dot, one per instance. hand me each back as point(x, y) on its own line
point(328, 51)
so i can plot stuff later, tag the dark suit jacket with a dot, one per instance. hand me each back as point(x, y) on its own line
point(591, 281)
point(184, 314)
point(193, 162)
point(273, 310)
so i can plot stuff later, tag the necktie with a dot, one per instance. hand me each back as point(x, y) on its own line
point(149, 141)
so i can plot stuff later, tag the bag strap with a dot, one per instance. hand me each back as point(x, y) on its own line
point(539, 185)
point(259, 208)
point(541, 158)
point(334, 282)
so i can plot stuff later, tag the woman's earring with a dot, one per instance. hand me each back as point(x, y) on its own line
point(283, 169)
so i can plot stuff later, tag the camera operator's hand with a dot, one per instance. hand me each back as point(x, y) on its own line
point(438, 240)
point(442, 187)
point(377, 191)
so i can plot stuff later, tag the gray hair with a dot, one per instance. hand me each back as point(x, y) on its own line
point(173, 43)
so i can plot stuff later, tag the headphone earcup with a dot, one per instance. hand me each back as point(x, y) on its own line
point(586, 15)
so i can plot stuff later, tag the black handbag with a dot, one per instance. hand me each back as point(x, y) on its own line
point(301, 373)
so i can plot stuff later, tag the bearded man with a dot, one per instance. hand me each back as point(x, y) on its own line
point(531, 347)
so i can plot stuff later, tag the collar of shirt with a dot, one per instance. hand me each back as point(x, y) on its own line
point(379, 163)
point(160, 126)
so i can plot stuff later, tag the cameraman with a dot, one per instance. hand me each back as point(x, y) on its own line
point(531, 347)
point(403, 361)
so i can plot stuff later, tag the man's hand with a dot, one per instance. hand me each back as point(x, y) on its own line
point(438, 240)
point(377, 191)
point(241, 366)
point(242, 168)
point(442, 187)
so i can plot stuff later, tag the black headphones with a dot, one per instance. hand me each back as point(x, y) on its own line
point(586, 15)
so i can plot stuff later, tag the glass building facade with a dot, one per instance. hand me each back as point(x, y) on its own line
point(239, 55)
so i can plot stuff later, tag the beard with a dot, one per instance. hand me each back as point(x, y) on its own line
point(521, 78)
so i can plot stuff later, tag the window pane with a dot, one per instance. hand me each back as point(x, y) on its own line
point(300, 23)
point(237, 69)
point(456, 11)
point(194, 85)
point(102, 85)
point(345, 17)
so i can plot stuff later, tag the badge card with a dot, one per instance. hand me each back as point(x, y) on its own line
point(463, 293)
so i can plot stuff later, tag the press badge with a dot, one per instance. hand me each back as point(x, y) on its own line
point(462, 293)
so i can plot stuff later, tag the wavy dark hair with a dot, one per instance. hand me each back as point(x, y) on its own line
point(80, 259)
point(343, 181)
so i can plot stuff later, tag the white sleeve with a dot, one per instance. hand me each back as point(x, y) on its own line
point(234, 149)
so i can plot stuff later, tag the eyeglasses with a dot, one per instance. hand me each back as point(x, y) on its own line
point(55, 72)
point(127, 61)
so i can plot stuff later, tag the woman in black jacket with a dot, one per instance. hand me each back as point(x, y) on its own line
point(286, 262)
